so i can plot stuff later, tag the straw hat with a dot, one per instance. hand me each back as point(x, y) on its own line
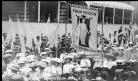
point(14, 67)
point(42, 64)
point(57, 60)
point(20, 55)
point(47, 49)
point(33, 65)
point(8, 51)
point(43, 53)
point(121, 47)
point(30, 58)
point(7, 55)
point(46, 60)
point(22, 60)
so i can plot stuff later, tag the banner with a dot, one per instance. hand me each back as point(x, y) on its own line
point(84, 26)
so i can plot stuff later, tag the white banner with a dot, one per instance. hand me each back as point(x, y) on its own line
point(84, 26)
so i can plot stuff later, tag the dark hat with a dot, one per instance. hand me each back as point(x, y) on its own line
point(83, 16)
point(17, 38)
point(63, 35)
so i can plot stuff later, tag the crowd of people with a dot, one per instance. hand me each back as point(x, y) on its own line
point(117, 63)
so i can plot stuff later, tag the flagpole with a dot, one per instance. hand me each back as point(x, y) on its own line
point(25, 11)
point(38, 11)
point(66, 25)
point(102, 32)
point(58, 26)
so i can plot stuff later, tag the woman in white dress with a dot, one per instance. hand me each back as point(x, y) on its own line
point(82, 31)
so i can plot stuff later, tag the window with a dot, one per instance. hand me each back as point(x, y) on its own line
point(46, 8)
point(118, 16)
point(127, 16)
point(33, 10)
point(108, 15)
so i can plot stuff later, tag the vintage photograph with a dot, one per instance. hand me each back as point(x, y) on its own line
point(69, 40)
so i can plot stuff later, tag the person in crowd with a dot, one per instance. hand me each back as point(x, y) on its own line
point(42, 36)
point(41, 71)
point(13, 70)
point(43, 55)
point(85, 62)
point(134, 55)
point(120, 37)
point(7, 60)
point(27, 53)
point(33, 74)
point(56, 68)
point(120, 54)
point(69, 36)
point(67, 68)
point(51, 55)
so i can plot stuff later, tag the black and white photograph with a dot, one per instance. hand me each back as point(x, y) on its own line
point(69, 40)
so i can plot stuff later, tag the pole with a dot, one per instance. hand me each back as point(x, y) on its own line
point(58, 25)
point(132, 17)
point(66, 25)
point(123, 17)
point(25, 11)
point(114, 16)
point(102, 32)
point(38, 11)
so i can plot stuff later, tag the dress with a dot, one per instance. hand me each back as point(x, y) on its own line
point(82, 31)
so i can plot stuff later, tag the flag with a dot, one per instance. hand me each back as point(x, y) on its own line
point(54, 39)
point(48, 20)
point(9, 37)
point(13, 33)
point(21, 36)
point(28, 36)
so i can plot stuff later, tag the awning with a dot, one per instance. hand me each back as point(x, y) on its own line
point(110, 4)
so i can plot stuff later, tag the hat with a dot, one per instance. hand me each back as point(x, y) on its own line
point(47, 49)
point(17, 47)
point(42, 64)
point(83, 16)
point(46, 60)
point(131, 42)
point(33, 65)
point(69, 56)
point(16, 77)
point(43, 53)
point(30, 58)
point(22, 60)
point(7, 55)
point(115, 43)
point(71, 47)
point(8, 51)
point(14, 67)
point(20, 55)
point(57, 60)
point(51, 51)
point(121, 47)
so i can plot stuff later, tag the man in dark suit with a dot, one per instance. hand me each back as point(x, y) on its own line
point(120, 37)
